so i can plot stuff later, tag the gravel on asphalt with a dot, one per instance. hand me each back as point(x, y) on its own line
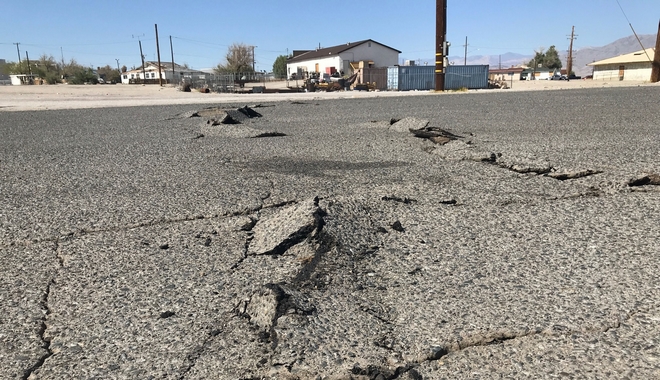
point(142, 242)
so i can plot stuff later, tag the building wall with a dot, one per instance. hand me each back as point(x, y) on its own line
point(369, 51)
point(152, 74)
point(310, 66)
point(632, 71)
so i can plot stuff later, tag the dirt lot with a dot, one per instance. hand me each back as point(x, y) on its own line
point(23, 98)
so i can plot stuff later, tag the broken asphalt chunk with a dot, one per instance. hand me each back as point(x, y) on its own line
point(650, 179)
point(396, 226)
point(275, 234)
point(405, 200)
point(573, 175)
point(409, 123)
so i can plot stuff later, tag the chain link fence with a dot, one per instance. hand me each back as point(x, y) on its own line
point(223, 83)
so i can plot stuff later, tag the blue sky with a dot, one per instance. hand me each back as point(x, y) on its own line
point(97, 33)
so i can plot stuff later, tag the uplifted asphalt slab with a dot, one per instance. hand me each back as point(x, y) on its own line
point(136, 244)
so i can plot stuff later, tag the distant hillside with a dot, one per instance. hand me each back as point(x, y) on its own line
point(581, 57)
point(507, 60)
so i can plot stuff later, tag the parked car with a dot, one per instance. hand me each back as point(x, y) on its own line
point(558, 77)
point(573, 76)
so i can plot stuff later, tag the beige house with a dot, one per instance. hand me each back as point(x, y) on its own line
point(340, 58)
point(633, 66)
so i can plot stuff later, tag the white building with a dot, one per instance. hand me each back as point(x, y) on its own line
point(635, 66)
point(339, 58)
point(21, 79)
point(150, 73)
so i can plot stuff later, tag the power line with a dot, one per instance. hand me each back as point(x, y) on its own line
point(633, 30)
point(199, 42)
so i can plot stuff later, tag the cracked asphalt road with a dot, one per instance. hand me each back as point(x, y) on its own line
point(136, 244)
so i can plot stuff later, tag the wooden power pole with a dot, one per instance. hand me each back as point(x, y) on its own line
point(465, 56)
point(569, 63)
point(160, 76)
point(655, 72)
point(440, 43)
point(172, 51)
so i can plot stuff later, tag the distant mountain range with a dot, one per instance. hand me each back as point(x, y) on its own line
point(581, 57)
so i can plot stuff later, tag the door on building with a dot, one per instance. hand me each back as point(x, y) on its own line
point(316, 68)
point(622, 69)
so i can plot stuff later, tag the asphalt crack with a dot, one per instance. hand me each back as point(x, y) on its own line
point(42, 334)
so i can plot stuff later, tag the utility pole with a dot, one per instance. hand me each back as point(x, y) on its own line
point(569, 63)
point(655, 71)
point(18, 51)
point(160, 76)
point(253, 60)
point(466, 46)
point(27, 56)
point(142, 58)
point(440, 43)
point(172, 51)
point(62, 53)
point(118, 66)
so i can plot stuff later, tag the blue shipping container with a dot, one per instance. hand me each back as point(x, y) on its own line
point(407, 78)
point(470, 76)
point(422, 78)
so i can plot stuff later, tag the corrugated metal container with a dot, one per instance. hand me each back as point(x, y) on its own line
point(406, 78)
point(471, 76)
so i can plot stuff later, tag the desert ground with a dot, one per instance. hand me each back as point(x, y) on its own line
point(50, 97)
point(150, 233)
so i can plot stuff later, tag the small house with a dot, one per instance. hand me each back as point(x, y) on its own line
point(635, 66)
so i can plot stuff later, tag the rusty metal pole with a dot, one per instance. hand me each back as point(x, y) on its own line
point(655, 72)
point(160, 75)
point(440, 39)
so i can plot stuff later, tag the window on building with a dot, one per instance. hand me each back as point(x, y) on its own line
point(125, 76)
point(153, 75)
point(132, 76)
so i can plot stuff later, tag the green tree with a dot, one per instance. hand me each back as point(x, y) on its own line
point(548, 59)
point(239, 59)
point(75, 73)
point(47, 69)
point(552, 60)
point(16, 67)
point(279, 67)
point(109, 74)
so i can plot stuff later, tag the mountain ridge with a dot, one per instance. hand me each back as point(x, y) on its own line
point(581, 56)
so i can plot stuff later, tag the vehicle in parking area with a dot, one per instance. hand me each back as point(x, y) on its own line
point(558, 77)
